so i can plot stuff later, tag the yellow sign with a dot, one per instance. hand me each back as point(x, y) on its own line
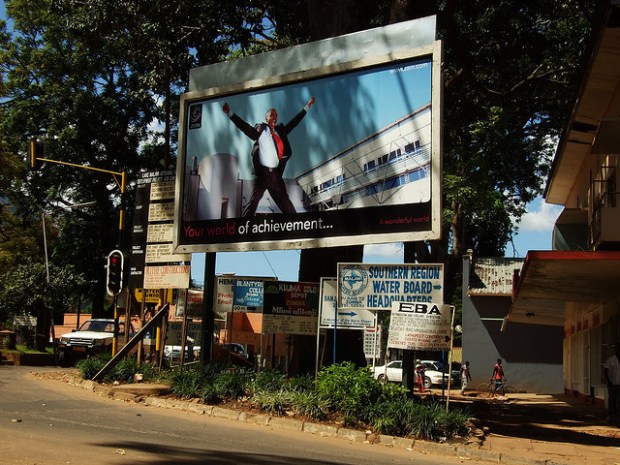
point(151, 296)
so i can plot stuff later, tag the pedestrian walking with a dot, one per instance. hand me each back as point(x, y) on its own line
point(465, 376)
point(498, 377)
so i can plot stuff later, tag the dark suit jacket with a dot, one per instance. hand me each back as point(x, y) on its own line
point(254, 132)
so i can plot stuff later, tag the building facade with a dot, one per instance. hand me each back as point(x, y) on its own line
point(575, 286)
point(531, 356)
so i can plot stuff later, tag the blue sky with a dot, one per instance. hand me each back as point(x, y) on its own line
point(534, 234)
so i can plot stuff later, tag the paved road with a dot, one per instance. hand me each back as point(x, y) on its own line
point(51, 423)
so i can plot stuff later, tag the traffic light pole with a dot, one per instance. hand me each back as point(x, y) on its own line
point(120, 179)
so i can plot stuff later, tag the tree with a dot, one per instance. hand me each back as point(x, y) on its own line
point(507, 97)
point(43, 299)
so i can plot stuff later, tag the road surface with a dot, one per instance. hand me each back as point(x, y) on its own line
point(48, 422)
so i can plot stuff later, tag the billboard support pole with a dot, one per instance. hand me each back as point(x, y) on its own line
point(208, 315)
point(453, 309)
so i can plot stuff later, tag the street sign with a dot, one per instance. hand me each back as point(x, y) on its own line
point(376, 286)
point(420, 326)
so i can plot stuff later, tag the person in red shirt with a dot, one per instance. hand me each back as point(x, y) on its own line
point(498, 377)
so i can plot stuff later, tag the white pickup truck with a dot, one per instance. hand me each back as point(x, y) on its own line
point(94, 336)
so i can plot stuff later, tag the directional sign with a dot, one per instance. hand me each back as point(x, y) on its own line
point(365, 286)
point(344, 319)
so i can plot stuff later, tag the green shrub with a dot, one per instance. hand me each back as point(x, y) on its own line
point(151, 372)
point(233, 384)
point(210, 394)
point(308, 404)
point(90, 366)
point(272, 402)
point(269, 380)
point(346, 388)
point(123, 371)
point(187, 383)
point(300, 384)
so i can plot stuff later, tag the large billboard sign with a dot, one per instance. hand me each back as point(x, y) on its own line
point(324, 149)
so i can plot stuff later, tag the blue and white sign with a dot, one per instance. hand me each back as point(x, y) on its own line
point(375, 286)
point(331, 317)
point(248, 296)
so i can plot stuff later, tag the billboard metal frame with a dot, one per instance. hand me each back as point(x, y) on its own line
point(382, 50)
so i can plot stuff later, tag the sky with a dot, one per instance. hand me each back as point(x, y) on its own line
point(535, 233)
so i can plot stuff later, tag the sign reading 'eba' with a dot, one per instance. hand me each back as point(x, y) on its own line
point(420, 326)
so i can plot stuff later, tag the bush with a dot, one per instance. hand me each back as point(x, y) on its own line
point(346, 388)
point(300, 384)
point(150, 372)
point(308, 404)
point(90, 366)
point(273, 402)
point(187, 383)
point(233, 384)
point(123, 371)
point(269, 380)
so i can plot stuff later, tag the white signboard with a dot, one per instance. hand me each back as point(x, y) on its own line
point(161, 211)
point(372, 343)
point(420, 326)
point(347, 318)
point(164, 253)
point(162, 190)
point(166, 277)
point(377, 286)
point(160, 232)
point(289, 324)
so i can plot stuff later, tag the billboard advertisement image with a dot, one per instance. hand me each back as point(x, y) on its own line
point(336, 155)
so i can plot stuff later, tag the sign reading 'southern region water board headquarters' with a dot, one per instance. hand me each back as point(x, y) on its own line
point(377, 286)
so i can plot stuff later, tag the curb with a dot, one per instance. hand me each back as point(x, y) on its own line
point(461, 451)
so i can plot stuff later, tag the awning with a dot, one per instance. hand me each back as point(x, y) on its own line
point(552, 282)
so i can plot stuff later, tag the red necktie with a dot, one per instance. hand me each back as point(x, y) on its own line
point(279, 144)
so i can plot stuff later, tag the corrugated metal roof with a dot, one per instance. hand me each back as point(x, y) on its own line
point(493, 276)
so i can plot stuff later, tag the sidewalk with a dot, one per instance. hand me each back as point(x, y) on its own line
point(551, 429)
point(521, 429)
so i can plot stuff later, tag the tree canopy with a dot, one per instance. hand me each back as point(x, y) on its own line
point(100, 81)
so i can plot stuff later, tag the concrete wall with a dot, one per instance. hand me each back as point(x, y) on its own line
point(531, 354)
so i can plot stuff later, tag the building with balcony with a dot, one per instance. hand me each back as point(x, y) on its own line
point(575, 286)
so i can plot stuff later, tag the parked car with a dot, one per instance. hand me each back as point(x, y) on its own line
point(393, 372)
point(172, 354)
point(437, 365)
point(93, 337)
point(235, 348)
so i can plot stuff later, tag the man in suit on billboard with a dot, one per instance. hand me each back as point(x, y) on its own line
point(270, 154)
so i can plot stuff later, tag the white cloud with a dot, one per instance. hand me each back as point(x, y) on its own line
point(384, 250)
point(540, 216)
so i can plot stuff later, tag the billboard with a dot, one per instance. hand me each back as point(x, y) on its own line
point(327, 149)
point(290, 308)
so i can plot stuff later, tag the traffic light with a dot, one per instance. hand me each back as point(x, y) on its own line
point(36, 150)
point(114, 272)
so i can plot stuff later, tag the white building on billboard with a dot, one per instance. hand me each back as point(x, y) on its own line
point(391, 166)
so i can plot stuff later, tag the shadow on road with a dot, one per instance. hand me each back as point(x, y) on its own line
point(165, 455)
